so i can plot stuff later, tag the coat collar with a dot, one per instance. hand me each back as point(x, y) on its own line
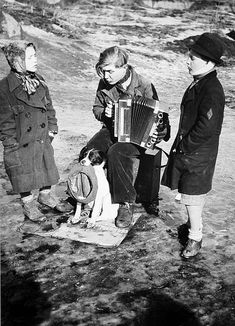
point(192, 90)
point(201, 81)
point(35, 100)
point(13, 81)
point(111, 90)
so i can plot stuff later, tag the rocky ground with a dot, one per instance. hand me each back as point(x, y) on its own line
point(52, 282)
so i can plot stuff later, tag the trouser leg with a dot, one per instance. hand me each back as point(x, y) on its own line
point(121, 158)
point(102, 140)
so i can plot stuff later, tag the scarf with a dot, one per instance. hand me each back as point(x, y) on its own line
point(29, 82)
point(15, 55)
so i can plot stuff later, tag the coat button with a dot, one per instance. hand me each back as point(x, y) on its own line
point(29, 129)
point(43, 125)
point(27, 114)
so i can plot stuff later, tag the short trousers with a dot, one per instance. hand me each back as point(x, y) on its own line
point(193, 200)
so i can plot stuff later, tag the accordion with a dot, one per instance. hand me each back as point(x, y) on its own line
point(137, 118)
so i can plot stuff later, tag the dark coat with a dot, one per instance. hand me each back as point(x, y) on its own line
point(192, 159)
point(24, 124)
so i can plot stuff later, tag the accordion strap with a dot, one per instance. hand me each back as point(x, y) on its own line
point(167, 155)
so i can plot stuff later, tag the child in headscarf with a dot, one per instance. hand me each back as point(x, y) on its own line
point(27, 126)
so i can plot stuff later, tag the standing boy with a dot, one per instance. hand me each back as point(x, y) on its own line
point(193, 155)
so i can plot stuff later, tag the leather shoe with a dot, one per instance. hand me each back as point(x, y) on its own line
point(64, 206)
point(192, 248)
point(47, 199)
point(125, 216)
point(32, 212)
point(152, 208)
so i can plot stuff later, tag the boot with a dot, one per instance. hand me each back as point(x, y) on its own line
point(125, 216)
point(65, 206)
point(45, 198)
point(31, 210)
point(192, 248)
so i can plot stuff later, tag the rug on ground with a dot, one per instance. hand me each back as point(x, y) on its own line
point(104, 233)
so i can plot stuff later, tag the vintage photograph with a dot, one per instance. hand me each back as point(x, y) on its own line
point(117, 162)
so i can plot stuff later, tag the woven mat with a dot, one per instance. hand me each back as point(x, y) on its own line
point(104, 233)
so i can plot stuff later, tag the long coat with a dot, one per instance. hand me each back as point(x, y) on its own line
point(24, 124)
point(192, 159)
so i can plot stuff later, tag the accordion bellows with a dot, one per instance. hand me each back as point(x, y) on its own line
point(137, 118)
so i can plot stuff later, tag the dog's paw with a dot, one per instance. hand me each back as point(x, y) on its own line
point(91, 224)
point(72, 220)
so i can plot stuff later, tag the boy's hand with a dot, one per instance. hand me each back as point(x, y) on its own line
point(52, 135)
point(109, 109)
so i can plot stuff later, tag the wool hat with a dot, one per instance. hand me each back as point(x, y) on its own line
point(209, 47)
point(82, 183)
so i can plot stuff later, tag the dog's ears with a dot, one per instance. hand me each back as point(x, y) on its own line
point(82, 153)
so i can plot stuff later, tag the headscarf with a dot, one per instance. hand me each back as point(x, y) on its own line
point(15, 55)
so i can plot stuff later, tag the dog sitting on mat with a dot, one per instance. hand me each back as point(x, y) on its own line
point(101, 207)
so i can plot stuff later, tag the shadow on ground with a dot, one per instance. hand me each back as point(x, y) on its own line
point(23, 302)
point(162, 311)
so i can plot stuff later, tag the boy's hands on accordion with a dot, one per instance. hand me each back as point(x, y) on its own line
point(109, 109)
point(163, 132)
point(158, 136)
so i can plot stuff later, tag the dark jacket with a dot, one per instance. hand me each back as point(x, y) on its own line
point(24, 124)
point(193, 155)
point(105, 92)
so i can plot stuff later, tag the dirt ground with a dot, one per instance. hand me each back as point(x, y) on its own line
point(52, 282)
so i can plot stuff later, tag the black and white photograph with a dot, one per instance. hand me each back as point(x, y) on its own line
point(117, 162)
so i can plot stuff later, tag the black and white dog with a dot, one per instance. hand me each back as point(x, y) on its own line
point(102, 207)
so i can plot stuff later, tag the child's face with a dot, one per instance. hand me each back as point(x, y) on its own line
point(30, 59)
point(112, 74)
point(195, 63)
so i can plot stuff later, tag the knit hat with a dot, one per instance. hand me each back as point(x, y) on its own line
point(209, 47)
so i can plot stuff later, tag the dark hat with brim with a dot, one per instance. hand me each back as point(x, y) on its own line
point(82, 184)
point(209, 47)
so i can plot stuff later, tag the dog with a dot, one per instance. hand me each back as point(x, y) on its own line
point(102, 207)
